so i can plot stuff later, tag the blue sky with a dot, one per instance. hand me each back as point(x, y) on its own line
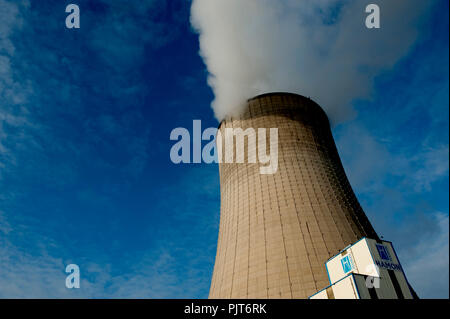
point(85, 172)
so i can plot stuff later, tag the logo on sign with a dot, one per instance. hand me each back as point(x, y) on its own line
point(388, 265)
point(347, 263)
point(383, 252)
point(386, 261)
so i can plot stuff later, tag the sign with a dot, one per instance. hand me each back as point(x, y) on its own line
point(347, 263)
point(383, 252)
point(388, 265)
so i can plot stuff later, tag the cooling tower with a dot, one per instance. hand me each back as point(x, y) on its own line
point(277, 231)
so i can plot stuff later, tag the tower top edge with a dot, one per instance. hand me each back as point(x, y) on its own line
point(306, 100)
point(278, 93)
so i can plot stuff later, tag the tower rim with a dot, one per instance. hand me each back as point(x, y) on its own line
point(278, 93)
point(275, 93)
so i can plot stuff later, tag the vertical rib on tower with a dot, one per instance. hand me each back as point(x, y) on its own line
point(277, 231)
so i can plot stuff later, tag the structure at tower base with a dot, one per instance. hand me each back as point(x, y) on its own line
point(278, 230)
point(368, 269)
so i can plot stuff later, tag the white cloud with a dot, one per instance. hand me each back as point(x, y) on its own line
point(13, 93)
point(38, 274)
point(432, 165)
point(370, 160)
point(320, 49)
point(366, 159)
point(5, 227)
point(392, 186)
point(174, 265)
point(427, 264)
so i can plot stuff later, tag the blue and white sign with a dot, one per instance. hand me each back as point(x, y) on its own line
point(386, 261)
point(383, 252)
point(347, 263)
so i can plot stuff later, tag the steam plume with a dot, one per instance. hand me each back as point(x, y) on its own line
point(317, 48)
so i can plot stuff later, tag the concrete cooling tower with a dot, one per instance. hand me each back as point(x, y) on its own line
point(277, 230)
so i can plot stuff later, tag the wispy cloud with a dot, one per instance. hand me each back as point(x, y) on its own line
point(371, 161)
point(172, 267)
point(431, 165)
point(72, 125)
point(427, 263)
point(392, 186)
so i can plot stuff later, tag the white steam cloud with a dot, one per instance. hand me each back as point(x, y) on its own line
point(317, 48)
